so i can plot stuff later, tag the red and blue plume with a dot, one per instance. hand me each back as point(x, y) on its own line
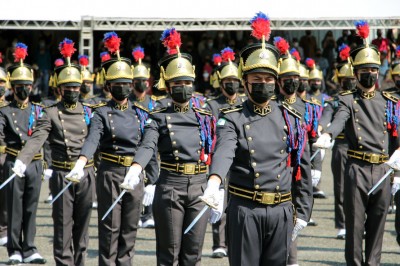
point(281, 44)
point(105, 56)
point(344, 51)
point(66, 48)
point(295, 54)
point(217, 59)
point(362, 28)
point(1, 58)
point(20, 52)
point(171, 39)
point(83, 60)
point(261, 26)
point(138, 53)
point(310, 63)
point(398, 51)
point(228, 54)
point(58, 62)
point(112, 42)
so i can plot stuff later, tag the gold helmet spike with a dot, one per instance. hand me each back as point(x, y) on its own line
point(314, 72)
point(227, 69)
point(84, 63)
point(20, 73)
point(140, 71)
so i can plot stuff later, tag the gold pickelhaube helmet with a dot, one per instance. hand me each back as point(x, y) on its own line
point(140, 71)
point(314, 71)
point(303, 72)
point(365, 55)
point(259, 57)
point(84, 63)
point(58, 62)
point(288, 64)
point(67, 74)
point(217, 60)
point(228, 68)
point(344, 68)
point(20, 73)
point(395, 67)
point(115, 69)
point(104, 56)
point(175, 66)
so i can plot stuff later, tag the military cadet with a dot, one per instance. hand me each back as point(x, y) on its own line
point(86, 90)
point(17, 120)
point(303, 85)
point(105, 95)
point(3, 197)
point(65, 124)
point(344, 76)
point(184, 134)
point(116, 130)
point(370, 119)
point(263, 182)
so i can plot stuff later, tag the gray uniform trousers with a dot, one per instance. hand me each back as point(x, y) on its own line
point(338, 164)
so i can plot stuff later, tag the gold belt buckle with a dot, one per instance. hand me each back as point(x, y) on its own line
point(374, 158)
point(70, 165)
point(189, 169)
point(128, 160)
point(267, 198)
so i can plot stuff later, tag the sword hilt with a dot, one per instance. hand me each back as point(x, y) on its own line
point(73, 179)
point(125, 186)
point(210, 202)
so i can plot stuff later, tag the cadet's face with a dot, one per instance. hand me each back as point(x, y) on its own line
point(229, 80)
point(22, 85)
point(366, 70)
point(259, 78)
point(314, 81)
point(69, 88)
point(89, 84)
point(2, 83)
point(179, 83)
point(282, 79)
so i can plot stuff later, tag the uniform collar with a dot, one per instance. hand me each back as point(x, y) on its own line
point(70, 106)
point(368, 95)
point(121, 107)
point(263, 111)
point(231, 102)
point(181, 109)
point(290, 100)
point(21, 106)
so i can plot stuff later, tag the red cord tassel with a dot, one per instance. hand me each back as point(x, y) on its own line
point(29, 132)
point(202, 155)
point(298, 174)
point(289, 160)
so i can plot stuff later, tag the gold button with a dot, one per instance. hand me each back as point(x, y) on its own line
point(112, 128)
point(83, 130)
point(355, 101)
point(111, 121)
point(383, 150)
point(169, 126)
point(69, 156)
point(254, 164)
point(285, 127)
point(257, 174)
point(116, 148)
point(282, 151)
point(109, 115)
point(176, 151)
point(66, 140)
point(65, 130)
point(384, 123)
point(113, 136)
point(358, 128)
point(198, 151)
point(168, 117)
point(251, 151)
point(247, 127)
point(13, 114)
point(256, 186)
point(15, 121)
point(359, 138)
point(384, 132)
point(62, 120)
point(360, 146)
point(249, 138)
point(383, 141)
point(59, 112)
point(201, 143)
point(17, 129)
point(284, 138)
point(174, 142)
point(20, 134)
point(357, 120)
point(277, 187)
point(279, 176)
point(33, 127)
point(138, 121)
point(172, 133)
point(176, 158)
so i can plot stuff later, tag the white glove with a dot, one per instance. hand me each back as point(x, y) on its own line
point(131, 179)
point(19, 168)
point(77, 172)
point(148, 196)
point(300, 225)
point(396, 185)
point(211, 194)
point(394, 160)
point(48, 174)
point(316, 176)
point(217, 213)
point(323, 142)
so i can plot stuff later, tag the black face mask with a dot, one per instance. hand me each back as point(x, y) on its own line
point(290, 85)
point(397, 83)
point(71, 97)
point(231, 88)
point(349, 84)
point(262, 92)
point(140, 86)
point(315, 87)
point(85, 89)
point(303, 86)
point(120, 92)
point(22, 92)
point(2, 90)
point(181, 94)
point(368, 80)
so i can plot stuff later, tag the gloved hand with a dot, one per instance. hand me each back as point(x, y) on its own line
point(323, 142)
point(77, 172)
point(395, 185)
point(132, 178)
point(217, 213)
point(47, 174)
point(211, 194)
point(148, 196)
point(316, 177)
point(19, 168)
point(300, 225)
point(394, 160)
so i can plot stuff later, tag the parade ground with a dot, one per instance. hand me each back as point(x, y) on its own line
point(317, 244)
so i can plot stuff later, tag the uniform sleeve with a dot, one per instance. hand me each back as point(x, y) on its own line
point(340, 118)
point(148, 147)
point(96, 131)
point(36, 141)
point(152, 169)
point(225, 148)
point(302, 189)
point(327, 116)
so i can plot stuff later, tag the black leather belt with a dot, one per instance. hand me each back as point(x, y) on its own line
point(267, 198)
point(69, 165)
point(368, 157)
point(118, 159)
point(15, 153)
point(185, 168)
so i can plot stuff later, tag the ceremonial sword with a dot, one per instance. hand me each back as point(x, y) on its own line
point(315, 154)
point(205, 208)
point(71, 180)
point(391, 170)
point(8, 180)
point(125, 189)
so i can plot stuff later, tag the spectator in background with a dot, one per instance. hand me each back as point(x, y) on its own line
point(221, 40)
point(354, 39)
point(322, 62)
point(329, 47)
point(392, 44)
point(209, 50)
point(309, 44)
point(43, 61)
point(344, 39)
point(295, 44)
point(382, 43)
point(384, 68)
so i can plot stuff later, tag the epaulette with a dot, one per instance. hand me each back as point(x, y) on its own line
point(390, 96)
point(202, 111)
point(291, 110)
point(347, 92)
point(38, 104)
point(242, 94)
point(95, 105)
point(315, 101)
point(141, 107)
point(274, 98)
point(157, 98)
point(158, 110)
point(232, 109)
point(4, 104)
